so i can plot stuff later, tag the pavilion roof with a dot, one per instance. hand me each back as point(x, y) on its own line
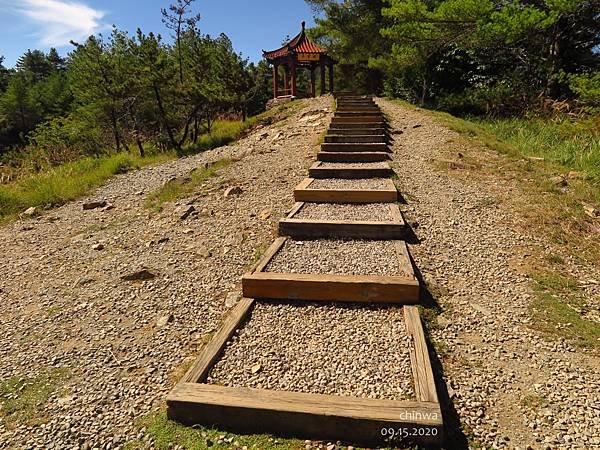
point(299, 44)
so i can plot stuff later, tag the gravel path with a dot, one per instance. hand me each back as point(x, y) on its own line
point(349, 349)
point(341, 211)
point(511, 386)
point(336, 257)
point(371, 165)
point(340, 183)
point(64, 307)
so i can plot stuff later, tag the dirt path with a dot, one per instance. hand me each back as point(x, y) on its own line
point(510, 387)
point(111, 349)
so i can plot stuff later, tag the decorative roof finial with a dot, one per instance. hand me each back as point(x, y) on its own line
point(303, 25)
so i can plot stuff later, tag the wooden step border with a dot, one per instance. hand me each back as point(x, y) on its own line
point(403, 290)
point(308, 416)
point(341, 157)
point(358, 119)
point(348, 172)
point(354, 125)
point(312, 229)
point(366, 131)
point(355, 147)
point(356, 139)
point(303, 193)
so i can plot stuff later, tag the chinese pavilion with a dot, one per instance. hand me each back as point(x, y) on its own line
point(303, 53)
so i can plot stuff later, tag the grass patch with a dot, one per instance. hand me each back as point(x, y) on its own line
point(67, 182)
point(534, 401)
point(166, 434)
point(182, 187)
point(572, 144)
point(557, 310)
point(22, 399)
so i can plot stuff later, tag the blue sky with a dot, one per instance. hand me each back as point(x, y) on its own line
point(252, 25)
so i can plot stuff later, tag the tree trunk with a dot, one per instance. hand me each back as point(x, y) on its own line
point(163, 117)
point(115, 127)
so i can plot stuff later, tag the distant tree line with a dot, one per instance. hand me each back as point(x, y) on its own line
point(492, 57)
point(123, 92)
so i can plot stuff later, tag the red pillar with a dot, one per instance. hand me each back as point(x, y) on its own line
point(331, 78)
point(322, 72)
point(294, 78)
point(275, 81)
point(313, 88)
point(286, 81)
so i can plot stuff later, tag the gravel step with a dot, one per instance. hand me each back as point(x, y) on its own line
point(340, 183)
point(337, 211)
point(348, 350)
point(337, 257)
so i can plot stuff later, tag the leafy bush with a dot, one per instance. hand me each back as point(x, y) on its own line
point(587, 88)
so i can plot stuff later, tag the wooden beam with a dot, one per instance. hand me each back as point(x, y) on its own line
point(339, 288)
point(353, 156)
point(307, 228)
point(350, 147)
point(419, 355)
point(349, 172)
point(212, 351)
point(303, 193)
point(312, 416)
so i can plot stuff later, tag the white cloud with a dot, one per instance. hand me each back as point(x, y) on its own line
point(62, 21)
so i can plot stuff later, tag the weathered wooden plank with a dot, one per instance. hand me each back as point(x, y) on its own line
point(310, 416)
point(341, 288)
point(360, 113)
point(359, 119)
point(350, 172)
point(365, 131)
point(356, 139)
point(388, 194)
point(404, 261)
point(419, 355)
point(342, 147)
point(346, 196)
point(305, 228)
point(353, 156)
point(211, 351)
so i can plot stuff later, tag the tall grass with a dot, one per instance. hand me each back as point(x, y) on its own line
point(574, 145)
point(68, 181)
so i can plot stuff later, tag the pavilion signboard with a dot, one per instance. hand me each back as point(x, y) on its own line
point(309, 56)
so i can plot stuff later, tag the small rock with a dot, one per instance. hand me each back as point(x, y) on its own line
point(232, 190)
point(94, 204)
point(83, 281)
point(559, 181)
point(183, 212)
point(591, 211)
point(164, 320)
point(163, 240)
point(232, 299)
point(30, 212)
point(203, 252)
point(188, 231)
point(256, 368)
point(265, 214)
point(143, 274)
point(574, 175)
point(418, 125)
point(98, 247)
